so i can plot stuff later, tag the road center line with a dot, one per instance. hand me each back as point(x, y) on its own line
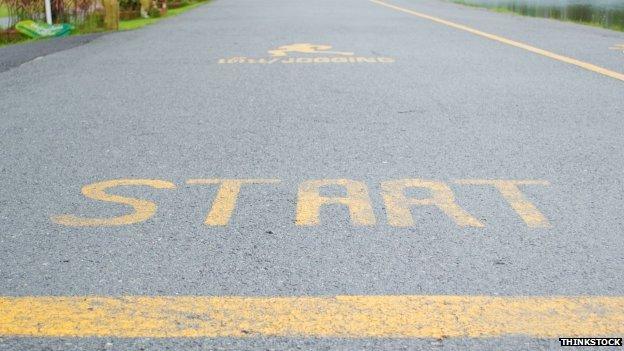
point(414, 316)
point(552, 55)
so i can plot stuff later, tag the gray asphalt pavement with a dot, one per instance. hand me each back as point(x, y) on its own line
point(14, 55)
point(431, 102)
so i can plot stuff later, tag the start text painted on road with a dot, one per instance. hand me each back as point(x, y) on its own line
point(397, 203)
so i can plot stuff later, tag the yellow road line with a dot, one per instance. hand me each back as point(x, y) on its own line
point(552, 55)
point(338, 316)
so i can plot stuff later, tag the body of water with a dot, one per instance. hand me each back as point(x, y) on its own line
point(604, 13)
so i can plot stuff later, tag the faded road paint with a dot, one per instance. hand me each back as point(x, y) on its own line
point(143, 209)
point(533, 49)
point(398, 205)
point(357, 200)
point(306, 316)
point(619, 47)
point(226, 198)
point(310, 201)
point(306, 48)
point(510, 192)
point(313, 53)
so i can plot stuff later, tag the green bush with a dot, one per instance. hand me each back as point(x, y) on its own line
point(154, 12)
point(80, 13)
point(129, 5)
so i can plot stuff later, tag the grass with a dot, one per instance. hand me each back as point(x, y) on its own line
point(22, 41)
point(142, 22)
point(4, 12)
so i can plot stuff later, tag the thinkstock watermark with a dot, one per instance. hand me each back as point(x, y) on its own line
point(590, 341)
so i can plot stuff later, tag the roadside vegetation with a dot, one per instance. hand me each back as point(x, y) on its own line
point(142, 22)
point(89, 16)
point(600, 13)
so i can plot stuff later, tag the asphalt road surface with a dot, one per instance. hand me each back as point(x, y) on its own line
point(15, 55)
point(319, 174)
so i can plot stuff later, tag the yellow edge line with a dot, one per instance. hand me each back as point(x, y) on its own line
point(336, 316)
point(552, 55)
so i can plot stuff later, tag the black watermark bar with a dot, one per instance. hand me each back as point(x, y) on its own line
point(590, 341)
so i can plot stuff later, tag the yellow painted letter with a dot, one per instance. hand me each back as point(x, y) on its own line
point(510, 191)
point(225, 201)
point(143, 209)
point(357, 199)
point(398, 205)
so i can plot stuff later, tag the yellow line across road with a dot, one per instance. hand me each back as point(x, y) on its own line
point(552, 55)
point(337, 316)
